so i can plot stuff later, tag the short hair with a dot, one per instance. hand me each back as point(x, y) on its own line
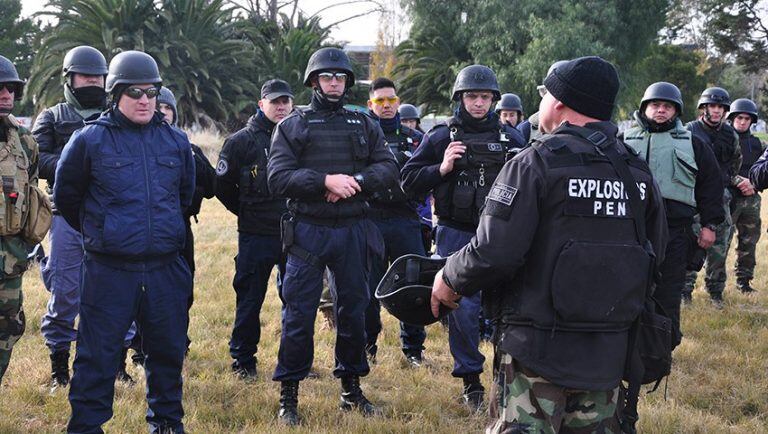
point(381, 83)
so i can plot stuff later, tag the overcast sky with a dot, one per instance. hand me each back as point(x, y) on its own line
point(358, 31)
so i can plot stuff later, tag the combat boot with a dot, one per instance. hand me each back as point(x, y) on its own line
point(248, 372)
point(59, 369)
point(352, 398)
point(122, 374)
point(289, 402)
point(745, 287)
point(414, 358)
point(473, 392)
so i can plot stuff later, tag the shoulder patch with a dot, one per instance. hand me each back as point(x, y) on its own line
point(222, 167)
point(502, 193)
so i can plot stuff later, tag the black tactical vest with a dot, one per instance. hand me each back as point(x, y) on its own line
point(337, 143)
point(722, 143)
point(253, 176)
point(567, 312)
point(751, 151)
point(461, 198)
point(402, 146)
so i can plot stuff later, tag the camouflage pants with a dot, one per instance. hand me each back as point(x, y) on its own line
point(745, 213)
point(716, 274)
point(524, 403)
point(12, 321)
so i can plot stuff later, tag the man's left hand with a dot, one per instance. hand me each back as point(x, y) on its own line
point(443, 294)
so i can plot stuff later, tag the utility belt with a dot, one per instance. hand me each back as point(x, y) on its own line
point(391, 213)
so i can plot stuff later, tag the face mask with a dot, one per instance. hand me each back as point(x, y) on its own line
point(90, 97)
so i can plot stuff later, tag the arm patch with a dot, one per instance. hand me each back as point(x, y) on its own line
point(499, 201)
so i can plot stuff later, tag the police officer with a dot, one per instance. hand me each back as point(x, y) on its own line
point(395, 215)
point(530, 127)
point(20, 154)
point(327, 161)
point(689, 180)
point(84, 71)
point(510, 109)
point(556, 215)
point(410, 117)
point(458, 161)
point(242, 188)
point(205, 184)
point(745, 205)
point(124, 181)
point(712, 129)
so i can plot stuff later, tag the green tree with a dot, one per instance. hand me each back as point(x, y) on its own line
point(17, 41)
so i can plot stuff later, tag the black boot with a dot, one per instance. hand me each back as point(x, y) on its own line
point(745, 287)
point(289, 402)
point(352, 398)
point(473, 392)
point(59, 369)
point(122, 374)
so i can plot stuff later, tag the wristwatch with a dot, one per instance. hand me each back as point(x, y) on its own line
point(359, 178)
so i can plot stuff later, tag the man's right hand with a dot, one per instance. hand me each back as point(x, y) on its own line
point(706, 238)
point(341, 185)
point(453, 152)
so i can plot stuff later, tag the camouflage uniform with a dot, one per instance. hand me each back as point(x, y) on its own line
point(745, 213)
point(716, 275)
point(13, 250)
point(524, 402)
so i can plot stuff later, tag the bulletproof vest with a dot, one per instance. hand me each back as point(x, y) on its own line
point(402, 146)
point(591, 273)
point(670, 156)
point(751, 151)
point(253, 171)
point(66, 121)
point(14, 173)
point(463, 196)
point(337, 144)
point(722, 143)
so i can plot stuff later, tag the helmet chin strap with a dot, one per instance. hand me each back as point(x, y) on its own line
point(319, 90)
point(708, 118)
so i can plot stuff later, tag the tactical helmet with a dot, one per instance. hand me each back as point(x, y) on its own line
point(406, 289)
point(509, 101)
point(84, 60)
point(661, 90)
point(476, 77)
point(167, 97)
point(8, 74)
point(408, 111)
point(715, 95)
point(132, 67)
point(743, 105)
point(329, 58)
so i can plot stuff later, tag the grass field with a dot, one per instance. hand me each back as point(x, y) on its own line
point(719, 382)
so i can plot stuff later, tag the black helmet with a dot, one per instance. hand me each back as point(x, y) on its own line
point(132, 67)
point(329, 59)
point(406, 289)
point(408, 111)
point(8, 74)
point(476, 77)
point(509, 101)
point(743, 105)
point(84, 60)
point(661, 90)
point(715, 95)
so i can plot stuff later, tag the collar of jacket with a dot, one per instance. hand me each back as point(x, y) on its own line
point(260, 122)
point(489, 122)
point(114, 117)
point(652, 126)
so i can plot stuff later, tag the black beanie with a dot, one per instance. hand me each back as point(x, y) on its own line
point(588, 85)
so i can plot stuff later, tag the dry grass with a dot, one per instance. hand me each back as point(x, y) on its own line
point(719, 382)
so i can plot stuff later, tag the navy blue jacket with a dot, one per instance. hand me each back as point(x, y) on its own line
point(125, 186)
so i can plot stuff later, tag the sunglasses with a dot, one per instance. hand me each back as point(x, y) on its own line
point(542, 90)
point(381, 100)
point(136, 92)
point(328, 76)
point(12, 87)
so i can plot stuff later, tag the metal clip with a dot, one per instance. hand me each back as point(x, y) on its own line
point(481, 181)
